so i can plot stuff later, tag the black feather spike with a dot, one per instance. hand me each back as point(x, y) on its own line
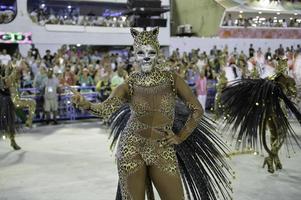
point(249, 102)
point(7, 114)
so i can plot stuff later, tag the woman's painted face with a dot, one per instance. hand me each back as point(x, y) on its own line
point(146, 57)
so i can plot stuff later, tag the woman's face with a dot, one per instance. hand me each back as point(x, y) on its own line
point(146, 56)
point(85, 73)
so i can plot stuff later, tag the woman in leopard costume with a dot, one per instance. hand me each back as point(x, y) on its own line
point(161, 142)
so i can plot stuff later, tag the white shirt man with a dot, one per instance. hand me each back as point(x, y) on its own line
point(5, 58)
point(58, 69)
point(268, 71)
point(201, 63)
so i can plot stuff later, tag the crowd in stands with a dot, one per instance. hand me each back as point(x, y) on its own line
point(200, 68)
point(6, 16)
point(283, 1)
point(102, 72)
point(261, 22)
point(70, 66)
point(65, 16)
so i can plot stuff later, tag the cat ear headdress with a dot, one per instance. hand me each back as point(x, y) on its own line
point(146, 38)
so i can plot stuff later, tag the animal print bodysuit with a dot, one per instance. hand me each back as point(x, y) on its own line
point(141, 153)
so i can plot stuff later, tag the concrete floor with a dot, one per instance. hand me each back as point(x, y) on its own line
point(73, 162)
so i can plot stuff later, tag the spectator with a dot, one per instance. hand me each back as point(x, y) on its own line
point(58, 68)
point(68, 77)
point(190, 76)
point(298, 48)
point(85, 80)
point(268, 54)
point(118, 78)
point(229, 20)
point(104, 88)
point(284, 24)
point(34, 52)
point(251, 51)
point(51, 96)
point(201, 89)
point(48, 58)
point(209, 72)
point(233, 66)
point(27, 76)
point(40, 79)
point(280, 51)
point(29, 59)
point(35, 65)
point(202, 62)
point(91, 70)
point(4, 57)
point(213, 51)
point(234, 53)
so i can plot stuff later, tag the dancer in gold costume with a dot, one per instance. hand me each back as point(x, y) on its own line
point(19, 102)
point(220, 86)
point(253, 105)
point(152, 148)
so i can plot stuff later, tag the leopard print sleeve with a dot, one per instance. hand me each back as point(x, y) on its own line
point(105, 109)
point(196, 110)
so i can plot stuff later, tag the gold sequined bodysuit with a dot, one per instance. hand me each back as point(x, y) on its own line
point(140, 153)
point(19, 102)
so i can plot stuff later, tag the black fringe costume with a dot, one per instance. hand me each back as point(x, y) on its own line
point(7, 108)
point(252, 105)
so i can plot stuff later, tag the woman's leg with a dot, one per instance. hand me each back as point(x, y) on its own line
point(27, 103)
point(131, 168)
point(164, 173)
point(13, 143)
point(132, 177)
point(168, 185)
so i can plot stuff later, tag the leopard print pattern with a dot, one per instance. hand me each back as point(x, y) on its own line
point(146, 38)
point(156, 78)
point(127, 164)
point(168, 104)
point(135, 151)
point(141, 106)
point(106, 108)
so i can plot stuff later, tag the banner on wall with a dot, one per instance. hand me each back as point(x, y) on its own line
point(15, 37)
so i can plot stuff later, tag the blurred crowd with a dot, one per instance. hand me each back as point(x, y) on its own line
point(218, 67)
point(212, 63)
point(101, 72)
point(71, 67)
point(6, 15)
point(261, 22)
point(67, 16)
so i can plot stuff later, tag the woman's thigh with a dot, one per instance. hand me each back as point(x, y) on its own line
point(169, 185)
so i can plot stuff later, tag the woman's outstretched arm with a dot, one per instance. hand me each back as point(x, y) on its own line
point(104, 109)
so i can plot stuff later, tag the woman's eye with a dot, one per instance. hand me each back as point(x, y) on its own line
point(140, 53)
point(152, 53)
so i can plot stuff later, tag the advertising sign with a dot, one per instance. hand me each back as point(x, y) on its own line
point(15, 37)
